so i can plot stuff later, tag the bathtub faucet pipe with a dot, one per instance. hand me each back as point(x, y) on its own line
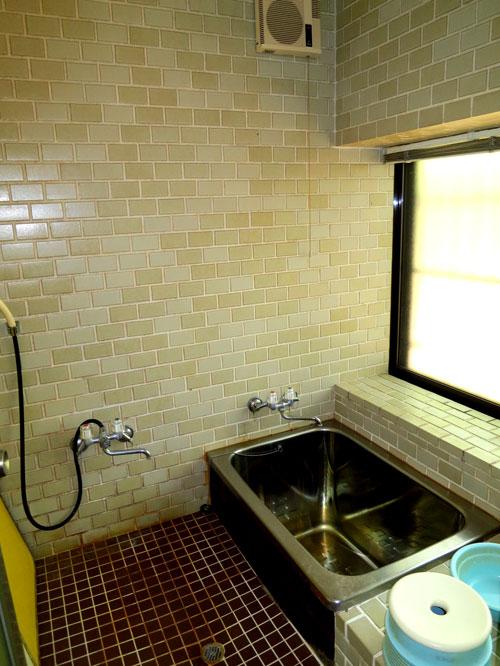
point(284, 403)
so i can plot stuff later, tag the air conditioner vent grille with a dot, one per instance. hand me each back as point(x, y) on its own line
point(287, 27)
point(260, 19)
point(284, 32)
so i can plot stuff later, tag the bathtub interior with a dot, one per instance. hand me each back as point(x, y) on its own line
point(351, 510)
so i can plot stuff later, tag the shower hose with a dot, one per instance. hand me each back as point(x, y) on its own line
point(22, 452)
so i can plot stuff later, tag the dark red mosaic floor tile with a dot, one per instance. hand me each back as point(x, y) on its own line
point(154, 597)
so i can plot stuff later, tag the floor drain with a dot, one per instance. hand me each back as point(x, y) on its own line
point(212, 653)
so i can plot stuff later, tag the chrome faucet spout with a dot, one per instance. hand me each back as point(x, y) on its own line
point(124, 452)
point(314, 419)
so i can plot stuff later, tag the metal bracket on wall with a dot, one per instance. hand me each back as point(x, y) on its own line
point(4, 464)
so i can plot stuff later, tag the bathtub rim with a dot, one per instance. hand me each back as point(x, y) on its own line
point(336, 591)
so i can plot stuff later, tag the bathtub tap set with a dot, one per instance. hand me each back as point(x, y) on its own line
point(286, 401)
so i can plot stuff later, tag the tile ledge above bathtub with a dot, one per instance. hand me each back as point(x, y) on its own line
point(454, 445)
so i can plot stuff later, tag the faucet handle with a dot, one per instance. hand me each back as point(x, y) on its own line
point(124, 432)
point(118, 425)
point(86, 433)
point(291, 394)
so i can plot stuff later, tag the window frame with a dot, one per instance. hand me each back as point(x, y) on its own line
point(402, 230)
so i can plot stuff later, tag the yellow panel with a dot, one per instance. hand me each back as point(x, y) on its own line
point(21, 575)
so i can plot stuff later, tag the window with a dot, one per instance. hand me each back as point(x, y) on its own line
point(445, 317)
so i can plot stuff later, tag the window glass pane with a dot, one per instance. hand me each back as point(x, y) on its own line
point(454, 322)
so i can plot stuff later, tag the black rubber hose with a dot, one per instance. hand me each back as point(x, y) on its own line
point(22, 453)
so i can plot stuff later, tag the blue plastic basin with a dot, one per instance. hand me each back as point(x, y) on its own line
point(478, 565)
point(401, 650)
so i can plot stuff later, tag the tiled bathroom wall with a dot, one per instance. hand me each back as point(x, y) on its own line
point(416, 69)
point(177, 235)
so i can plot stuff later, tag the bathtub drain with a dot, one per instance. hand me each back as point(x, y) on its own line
point(212, 653)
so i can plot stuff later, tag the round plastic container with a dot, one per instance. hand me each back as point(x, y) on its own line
point(435, 619)
point(478, 565)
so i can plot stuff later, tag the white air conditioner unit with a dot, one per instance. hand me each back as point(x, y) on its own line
point(290, 27)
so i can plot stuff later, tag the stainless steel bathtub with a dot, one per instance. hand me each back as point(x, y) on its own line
point(340, 516)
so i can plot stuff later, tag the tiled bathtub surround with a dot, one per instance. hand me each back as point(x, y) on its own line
point(452, 444)
point(415, 69)
point(155, 597)
point(176, 235)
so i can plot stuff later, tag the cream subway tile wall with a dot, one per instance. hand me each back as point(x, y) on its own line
point(416, 69)
point(177, 235)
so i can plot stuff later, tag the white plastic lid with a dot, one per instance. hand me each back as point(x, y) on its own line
point(440, 612)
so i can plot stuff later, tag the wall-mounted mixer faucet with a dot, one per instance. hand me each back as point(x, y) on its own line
point(285, 402)
point(82, 438)
point(121, 433)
